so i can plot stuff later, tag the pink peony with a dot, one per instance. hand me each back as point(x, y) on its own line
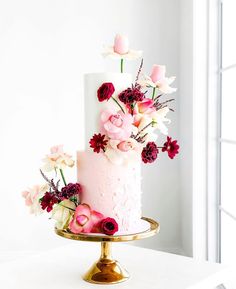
point(85, 220)
point(117, 126)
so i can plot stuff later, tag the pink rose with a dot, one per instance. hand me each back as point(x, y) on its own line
point(121, 44)
point(85, 220)
point(117, 126)
point(158, 72)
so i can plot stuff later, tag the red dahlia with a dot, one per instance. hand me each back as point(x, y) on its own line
point(171, 147)
point(150, 152)
point(70, 190)
point(130, 95)
point(105, 91)
point(48, 200)
point(109, 226)
point(98, 143)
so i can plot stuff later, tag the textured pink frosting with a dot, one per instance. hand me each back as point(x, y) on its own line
point(113, 190)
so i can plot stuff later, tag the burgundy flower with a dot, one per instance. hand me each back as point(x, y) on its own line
point(109, 226)
point(105, 91)
point(98, 143)
point(171, 147)
point(130, 95)
point(48, 200)
point(149, 153)
point(70, 190)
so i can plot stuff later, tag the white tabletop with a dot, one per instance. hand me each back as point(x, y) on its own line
point(63, 267)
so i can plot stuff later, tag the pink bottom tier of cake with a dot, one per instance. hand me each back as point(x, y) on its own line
point(113, 190)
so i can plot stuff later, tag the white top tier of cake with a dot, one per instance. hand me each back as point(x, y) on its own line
point(93, 108)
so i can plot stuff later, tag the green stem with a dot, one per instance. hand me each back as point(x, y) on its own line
point(153, 92)
point(63, 178)
point(118, 104)
point(122, 65)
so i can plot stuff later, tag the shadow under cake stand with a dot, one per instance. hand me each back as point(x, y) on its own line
point(107, 270)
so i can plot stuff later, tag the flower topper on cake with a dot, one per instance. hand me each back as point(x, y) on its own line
point(63, 202)
point(120, 50)
point(129, 132)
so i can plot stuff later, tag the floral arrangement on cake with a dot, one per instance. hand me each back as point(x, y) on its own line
point(64, 201)
point(128, 132)
point(131, 130)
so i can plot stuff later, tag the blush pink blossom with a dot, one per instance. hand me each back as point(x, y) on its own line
point(121, 44)
point(32, 197)
point(117, 126)
point(158, 72)
point(144, 107)
point(85, 220)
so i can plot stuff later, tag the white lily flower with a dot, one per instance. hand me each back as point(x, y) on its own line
point(159, 117)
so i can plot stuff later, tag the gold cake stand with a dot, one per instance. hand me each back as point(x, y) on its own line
point(107, 270)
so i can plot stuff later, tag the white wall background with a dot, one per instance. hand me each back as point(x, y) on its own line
point(45, 48)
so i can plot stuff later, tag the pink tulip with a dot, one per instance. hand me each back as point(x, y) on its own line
point(121, 44)
point(85, 220)
point(158, 72)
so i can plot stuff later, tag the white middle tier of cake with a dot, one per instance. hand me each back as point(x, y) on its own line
point(113, 190)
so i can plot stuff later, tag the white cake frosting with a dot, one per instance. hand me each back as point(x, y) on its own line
point(92, 81)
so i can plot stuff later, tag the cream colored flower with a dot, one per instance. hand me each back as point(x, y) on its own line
point(57, 159)
point(123, 152)
point(62, 213)
point(32, 197)
point(159, 117)
point(130, 55)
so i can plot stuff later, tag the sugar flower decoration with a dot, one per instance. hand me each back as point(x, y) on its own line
point(32, 197)
point(57, 159)
point(158, 80)
point(63, 213)
point(123, 152)
point(85, 220)
point(116, 125)
point(120, 50)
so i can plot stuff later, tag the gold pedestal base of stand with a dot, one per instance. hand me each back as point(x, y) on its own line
point(106, 270)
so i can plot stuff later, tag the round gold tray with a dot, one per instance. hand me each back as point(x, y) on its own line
point(107, 270)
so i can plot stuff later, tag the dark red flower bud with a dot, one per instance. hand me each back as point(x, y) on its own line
point(109, 226)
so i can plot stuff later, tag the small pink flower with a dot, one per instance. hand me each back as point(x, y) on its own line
point(85, 220)
point(121, 44)
point(158, 72)
point(145, 106)
point(117, 126)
